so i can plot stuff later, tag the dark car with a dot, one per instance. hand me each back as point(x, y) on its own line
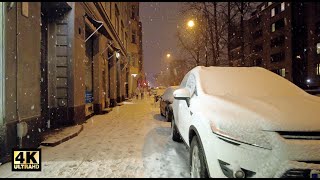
point(166, 100)
point(314, 91)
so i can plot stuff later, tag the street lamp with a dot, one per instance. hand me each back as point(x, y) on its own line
point(168, 55)
point(117, 55)
point(190, 23)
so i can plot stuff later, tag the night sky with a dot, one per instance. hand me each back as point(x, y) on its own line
point(159, 23)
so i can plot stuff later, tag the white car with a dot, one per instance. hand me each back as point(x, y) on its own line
point(246, 122)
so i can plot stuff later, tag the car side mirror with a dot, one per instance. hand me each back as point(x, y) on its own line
point(182, 94)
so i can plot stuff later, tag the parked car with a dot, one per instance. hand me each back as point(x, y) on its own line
point(157, 92)
point(166, 100)
point(315, 91)
point(246, 122)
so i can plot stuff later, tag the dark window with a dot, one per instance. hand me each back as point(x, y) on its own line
point(257, 48)
point(281, 72)
point(276, 10)
point(235, 54)
point(133, 36)
point(257, 34)
point(277, 57)
point(280, 24)
point(133, 12)
point(277, 25)
point(278, 41)
point(257, 62)
point(256, 21)
point(318, 28)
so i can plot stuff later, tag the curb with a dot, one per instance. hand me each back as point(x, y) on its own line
point(64, 139)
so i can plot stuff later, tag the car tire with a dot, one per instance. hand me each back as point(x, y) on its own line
point(167, 116)
point(198, 168)
point(161, 112)
point(175, 134)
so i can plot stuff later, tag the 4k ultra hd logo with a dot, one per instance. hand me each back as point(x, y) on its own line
point(26, 160)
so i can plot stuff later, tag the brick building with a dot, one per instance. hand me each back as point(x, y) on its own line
point(284, 38)
point(61, 63)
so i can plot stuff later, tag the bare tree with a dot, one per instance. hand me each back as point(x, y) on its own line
point(218, 17)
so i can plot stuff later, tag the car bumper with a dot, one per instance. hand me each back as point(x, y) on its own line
point(287, 158)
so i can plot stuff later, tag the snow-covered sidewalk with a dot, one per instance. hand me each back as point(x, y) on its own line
point(131, 141)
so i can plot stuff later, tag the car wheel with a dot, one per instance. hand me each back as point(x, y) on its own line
point(161, 111)
point(197, 160)
point(167, 115)
point(175, 134)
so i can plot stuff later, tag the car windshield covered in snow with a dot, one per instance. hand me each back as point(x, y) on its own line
point(243, 81)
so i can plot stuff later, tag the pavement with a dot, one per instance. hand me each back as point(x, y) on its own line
point(133, 140)
point(58, 136)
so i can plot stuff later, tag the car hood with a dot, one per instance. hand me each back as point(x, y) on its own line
point(265, 113)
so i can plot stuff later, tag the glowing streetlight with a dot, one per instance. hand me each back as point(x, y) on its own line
point(191, 23)
point(168, 55)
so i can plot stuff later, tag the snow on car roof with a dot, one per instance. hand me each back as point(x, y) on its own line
point(248, 81)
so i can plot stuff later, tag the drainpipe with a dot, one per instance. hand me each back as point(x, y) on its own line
point(17, 104)
point(22, 127)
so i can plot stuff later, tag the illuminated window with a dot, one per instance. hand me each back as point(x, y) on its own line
point(263, 7)
point(318, 70)
point(273, 12)
point(318, 48)
point(273, 27)
point(269, 3)
point(283, 72)
point(282, 6)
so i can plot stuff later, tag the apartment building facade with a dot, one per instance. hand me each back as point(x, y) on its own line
point(282, 37)
point(61, 63)
point(135, 48)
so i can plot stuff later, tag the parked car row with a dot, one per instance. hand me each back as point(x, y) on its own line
point(166, 100)
point(244, 122)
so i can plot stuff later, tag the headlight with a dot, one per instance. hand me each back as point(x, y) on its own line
point(256, 139)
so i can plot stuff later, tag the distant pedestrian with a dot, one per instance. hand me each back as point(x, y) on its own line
point(137, 92)
point(142, 94)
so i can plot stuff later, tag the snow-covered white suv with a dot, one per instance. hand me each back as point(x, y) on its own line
point(246, 122)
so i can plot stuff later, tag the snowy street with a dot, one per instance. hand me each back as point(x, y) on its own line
point(131, 141)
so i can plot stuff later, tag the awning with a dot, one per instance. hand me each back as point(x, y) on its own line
point(97, 24)
point(115, 47)
point(103, 31)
